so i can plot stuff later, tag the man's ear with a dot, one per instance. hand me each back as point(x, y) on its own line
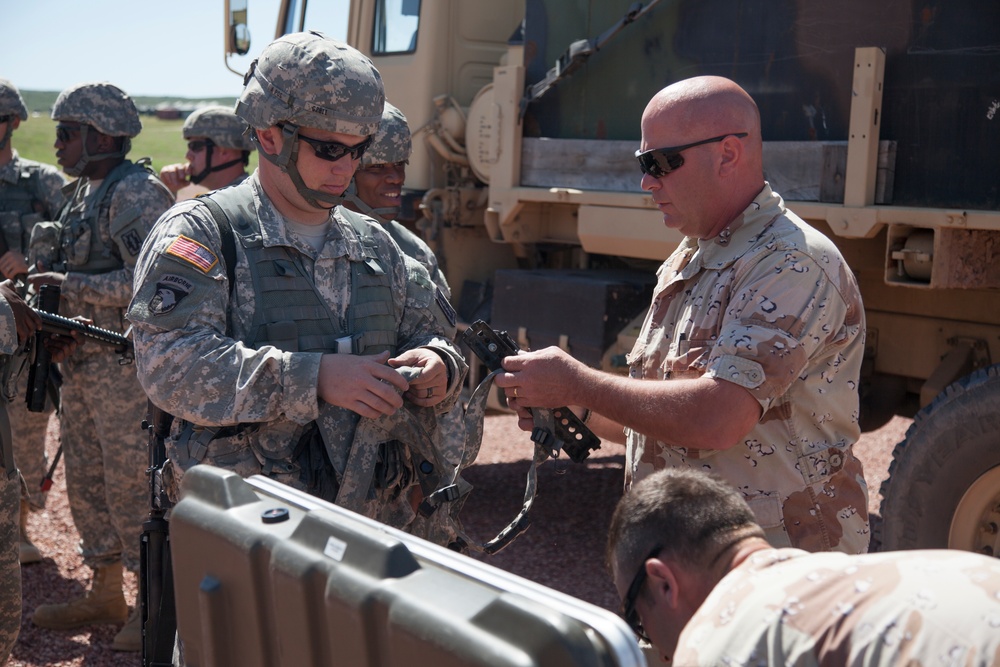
point(732, 155)
point(268, 139)
point(664, 581)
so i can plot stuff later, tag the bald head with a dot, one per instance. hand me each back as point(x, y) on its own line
point(705, 106)
point(723, 172)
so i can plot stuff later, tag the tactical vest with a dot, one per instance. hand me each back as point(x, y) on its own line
point(81, 248)
point(20, 197)
point(290, 312)
point(19, 206)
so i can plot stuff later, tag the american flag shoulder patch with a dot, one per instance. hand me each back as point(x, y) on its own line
point(193, 252)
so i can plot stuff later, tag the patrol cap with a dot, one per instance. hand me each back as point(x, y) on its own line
point(310, 80)
point(391, 142)
point(103, 106)
point(11, 103)
point(221, 125)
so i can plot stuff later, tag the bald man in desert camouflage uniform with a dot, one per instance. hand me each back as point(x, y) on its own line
point(748, 362)
point(111, 208)
point(30, 192)
point(698, 580)
point(269, 359)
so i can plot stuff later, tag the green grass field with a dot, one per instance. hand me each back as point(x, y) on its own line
point(159, 140)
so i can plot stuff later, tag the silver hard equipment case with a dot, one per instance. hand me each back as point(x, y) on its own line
point(270, 576)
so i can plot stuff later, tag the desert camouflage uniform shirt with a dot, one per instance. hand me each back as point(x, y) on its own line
point(789, 607)
point(10, 491)
point(103, 404)
point(191, 357)
point(770, 305)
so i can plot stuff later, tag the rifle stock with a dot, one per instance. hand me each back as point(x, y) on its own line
point(156, 581)
point(41, 365)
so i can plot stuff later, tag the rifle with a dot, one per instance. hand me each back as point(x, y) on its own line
point(57, 324)
point(556, 429)
point(41, 365)
point(156, 574)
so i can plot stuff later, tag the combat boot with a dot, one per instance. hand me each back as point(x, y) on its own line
point(103, 603)
point(27, 552)
point(129, 638)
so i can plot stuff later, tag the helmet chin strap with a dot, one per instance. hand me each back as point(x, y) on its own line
point(286, 161)
point(210, 168)
point(86, 158)
point(383, 215)
point(6, 135)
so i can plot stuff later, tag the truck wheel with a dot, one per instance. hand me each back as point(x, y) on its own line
point(943, 488)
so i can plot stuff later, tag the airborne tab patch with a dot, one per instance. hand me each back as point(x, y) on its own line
point(193, 252)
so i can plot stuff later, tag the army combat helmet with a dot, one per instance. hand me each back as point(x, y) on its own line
point(390, 144)
point(221, 127)
point(11, 104)
point(103, 107)
point(309, 80)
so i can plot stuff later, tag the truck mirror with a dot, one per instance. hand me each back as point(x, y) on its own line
point(238, 34)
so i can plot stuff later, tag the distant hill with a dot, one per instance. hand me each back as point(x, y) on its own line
point(41, 101)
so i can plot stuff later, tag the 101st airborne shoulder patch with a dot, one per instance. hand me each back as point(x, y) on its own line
point(193, 253)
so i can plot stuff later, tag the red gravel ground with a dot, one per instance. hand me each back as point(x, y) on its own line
point(563, 548)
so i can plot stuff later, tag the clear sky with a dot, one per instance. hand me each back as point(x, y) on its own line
point(145, 47)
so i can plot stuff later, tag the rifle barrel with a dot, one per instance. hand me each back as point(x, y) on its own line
point(57, 324)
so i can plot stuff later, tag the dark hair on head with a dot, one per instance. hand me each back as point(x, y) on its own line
point(692, 515)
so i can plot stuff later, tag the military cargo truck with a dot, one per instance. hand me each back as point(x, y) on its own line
point(880, 120)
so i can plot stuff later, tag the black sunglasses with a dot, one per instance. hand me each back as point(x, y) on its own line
point(199, 144)
point(628, 611)
point(658, 162)
point(64, 132)
point(332, 151)
point(5, 119)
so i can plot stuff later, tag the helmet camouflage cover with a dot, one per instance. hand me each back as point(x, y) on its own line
point(313, 81)
point(391, 142)
point(102, 106)
point(221, 125)
point(11, 103)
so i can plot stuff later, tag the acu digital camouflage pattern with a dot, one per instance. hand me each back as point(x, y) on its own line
point(193, 365)
point(102, 106)
point(221, 125)
point(769, 305)
point(10, 492)
point(392, 142)
point(30, 192)
point(331, 86)
point(11, 102)
point(103, 404)
point(788, 607)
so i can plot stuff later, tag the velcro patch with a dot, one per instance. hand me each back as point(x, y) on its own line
point(445, 306)
point(193, 252)
point(170, 289)
point(132, 241)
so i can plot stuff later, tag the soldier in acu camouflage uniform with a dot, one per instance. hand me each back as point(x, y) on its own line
point(269, 320)
point(699, 580)
point(111, 208)
point(376, 191)
point(30, 192)
point(219, 149)
point(17, 322)
point(752, 348)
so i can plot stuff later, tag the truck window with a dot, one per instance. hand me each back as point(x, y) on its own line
point(396, 24)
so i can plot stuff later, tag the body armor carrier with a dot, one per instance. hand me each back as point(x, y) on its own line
point(291, 314)
point(81, 248)
point(20, 206)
